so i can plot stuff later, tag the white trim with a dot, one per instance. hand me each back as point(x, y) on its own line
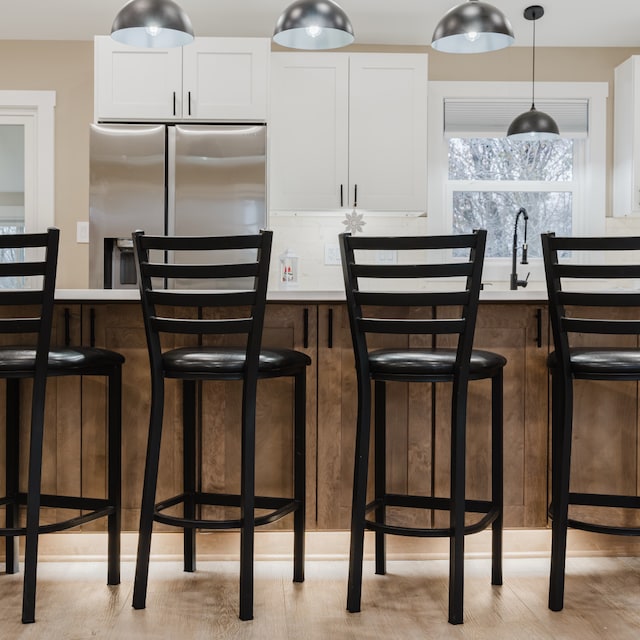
point(36, 110)
point(590, 199)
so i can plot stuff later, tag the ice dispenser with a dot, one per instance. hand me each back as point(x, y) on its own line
point(119, 263)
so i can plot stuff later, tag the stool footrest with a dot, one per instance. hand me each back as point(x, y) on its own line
point(490, 510)
point(278, 508)
point(602, 500)
point(95, 507)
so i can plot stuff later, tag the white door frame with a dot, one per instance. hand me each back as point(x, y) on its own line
point(35, 110)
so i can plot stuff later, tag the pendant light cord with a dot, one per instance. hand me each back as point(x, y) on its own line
point(533, 66)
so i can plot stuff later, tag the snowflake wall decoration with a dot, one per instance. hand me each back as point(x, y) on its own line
point(354, 222)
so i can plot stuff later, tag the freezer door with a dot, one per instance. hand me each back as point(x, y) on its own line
point(126, 192)
point(217, 181)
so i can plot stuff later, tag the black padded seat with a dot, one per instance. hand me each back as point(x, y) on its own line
point(230, 324)
point(228, 363)
point(62, 361)
point(583, 304)
point(431, 362)
point(424, 298)
point(38, 363)
point(601, 363)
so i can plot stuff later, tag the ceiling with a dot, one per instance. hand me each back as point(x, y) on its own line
point(570, 23)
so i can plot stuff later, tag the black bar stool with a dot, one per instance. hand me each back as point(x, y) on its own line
point(579, 307)
point(238, 311)
point(21, 361)
point(374, 295)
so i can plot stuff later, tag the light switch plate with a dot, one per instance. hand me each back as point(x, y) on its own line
point(82, 231)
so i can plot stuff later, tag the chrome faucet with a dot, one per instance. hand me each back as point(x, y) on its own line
point(515, 283)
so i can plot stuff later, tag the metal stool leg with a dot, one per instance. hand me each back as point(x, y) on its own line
point(189, 469)
point(457, 510)
point(247, 498)
point(12, 456)
point(497, 476)
point(114, 520)
point(562, 418)
point(380, 469)
point(149, 493)
point(33, 499)
point(356, 550)
point(299, 473)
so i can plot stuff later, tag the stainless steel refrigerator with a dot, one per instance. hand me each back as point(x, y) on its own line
point(177, 179)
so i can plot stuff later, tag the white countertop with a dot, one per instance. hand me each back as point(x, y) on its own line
point(489, 294)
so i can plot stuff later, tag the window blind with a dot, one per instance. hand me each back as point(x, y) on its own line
point(465, 118)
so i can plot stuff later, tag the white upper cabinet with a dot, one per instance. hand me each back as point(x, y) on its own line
point(210, 79)
point(348, 130)
point(626, 136)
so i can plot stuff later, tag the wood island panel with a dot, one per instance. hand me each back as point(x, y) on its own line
point(605, 439)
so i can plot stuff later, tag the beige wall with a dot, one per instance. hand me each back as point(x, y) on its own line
point(67, 69)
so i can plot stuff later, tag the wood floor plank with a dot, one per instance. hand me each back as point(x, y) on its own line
point(74, 602)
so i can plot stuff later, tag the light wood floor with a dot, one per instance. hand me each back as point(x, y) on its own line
point(410, 602)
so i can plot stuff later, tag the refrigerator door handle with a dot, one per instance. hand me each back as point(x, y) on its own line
point(189, 102)
point(174, 103)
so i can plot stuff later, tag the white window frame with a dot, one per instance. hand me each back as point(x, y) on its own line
point(588, 188)
point(36, 111)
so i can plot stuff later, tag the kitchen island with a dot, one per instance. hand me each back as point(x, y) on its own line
point(513, 323)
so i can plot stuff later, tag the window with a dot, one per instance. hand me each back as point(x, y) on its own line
point(26, 165)
point(480, 179)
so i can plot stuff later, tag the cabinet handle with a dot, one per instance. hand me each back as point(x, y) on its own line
point(330, 329)
point(305, 330)
point(92, 327)
point(355, 196)
point(174, 103)
point(67, 328)
point(189, 102)
point(342, 195)
point(539, 328)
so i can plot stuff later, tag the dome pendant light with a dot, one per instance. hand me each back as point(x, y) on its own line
point(533, 124)
point(160, 24)
point(472, 27)
point(313, 24)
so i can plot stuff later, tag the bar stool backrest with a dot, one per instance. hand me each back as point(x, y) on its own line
point(33, 260)
point(183, 311)
point(426, 274)
point(579, 291)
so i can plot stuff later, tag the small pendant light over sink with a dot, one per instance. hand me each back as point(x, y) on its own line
point(152, 24)
point(533, 124)
point(313, 24)
point(472, 27)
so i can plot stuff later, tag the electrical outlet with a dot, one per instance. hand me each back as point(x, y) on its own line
point(82, 232)
point(332, 254)
point(386, 257)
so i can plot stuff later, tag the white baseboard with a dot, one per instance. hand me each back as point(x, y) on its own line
point(332, 545)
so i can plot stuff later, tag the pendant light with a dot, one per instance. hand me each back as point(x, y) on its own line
point(313, 24)
point(533, 124)
point(152, 24)
point(472, 27)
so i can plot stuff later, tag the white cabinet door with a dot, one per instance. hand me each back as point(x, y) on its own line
point(626, 146)
point(136, 84)
point(348, 130)
point(388, 131)
point(226, 79)
point(309, 131)
point(210, 79)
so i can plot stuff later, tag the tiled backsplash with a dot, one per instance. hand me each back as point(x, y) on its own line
point(310, 234)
